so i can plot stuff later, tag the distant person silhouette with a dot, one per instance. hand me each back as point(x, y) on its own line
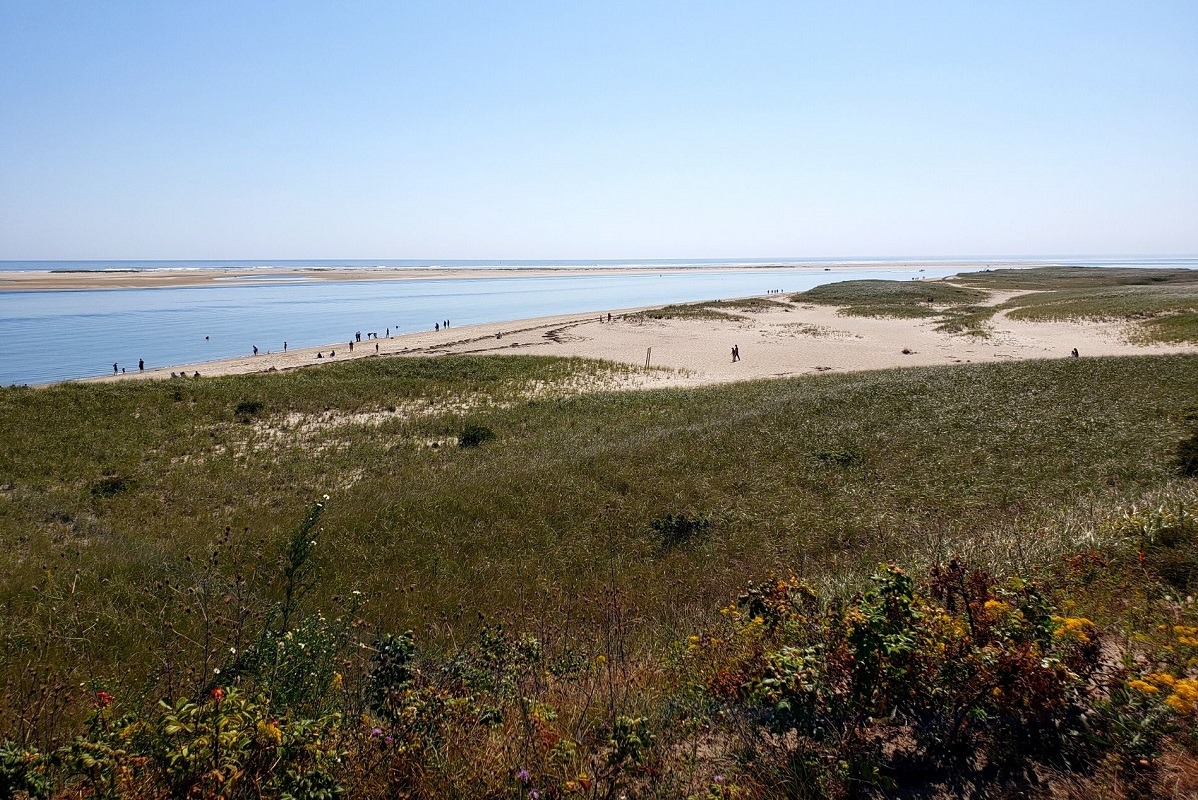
point(141, 364)
point(735, 353)
point(284, 347)
point(114, 369)
point(255, 349)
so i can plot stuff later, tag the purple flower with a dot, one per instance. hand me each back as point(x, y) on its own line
point(389, 740)
point(523, 776)
point(718, 779)
point(533, 794)
point(377, 732)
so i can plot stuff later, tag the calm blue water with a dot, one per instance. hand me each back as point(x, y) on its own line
point(50, 336)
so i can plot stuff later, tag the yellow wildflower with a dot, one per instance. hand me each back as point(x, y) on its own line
point(1160, 678)
point(268, 734)
point(1178, 704)
point(1076, 629)
point(1142, 687)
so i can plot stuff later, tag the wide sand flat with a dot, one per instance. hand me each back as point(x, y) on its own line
point(246, 276)
point(793, 339)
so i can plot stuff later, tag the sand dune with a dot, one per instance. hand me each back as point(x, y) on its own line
point(792, 339)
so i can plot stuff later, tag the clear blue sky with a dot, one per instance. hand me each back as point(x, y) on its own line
point(596, 130)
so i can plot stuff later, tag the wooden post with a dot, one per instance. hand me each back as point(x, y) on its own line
point(648, 353)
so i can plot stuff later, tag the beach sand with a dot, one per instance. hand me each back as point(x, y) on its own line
point(793, 339)
point(34, 280)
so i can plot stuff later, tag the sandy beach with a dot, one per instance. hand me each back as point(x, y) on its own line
point(248, 276)
point(791, 339)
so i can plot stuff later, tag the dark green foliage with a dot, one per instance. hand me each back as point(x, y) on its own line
point(840, 458)
point(1187, 455)
point(475, 435)
point(246, 409)
point(391, 672)
point(110, 486)
point(298, 574)
point(23, 773)
point(677, 529)
point(1169, 542)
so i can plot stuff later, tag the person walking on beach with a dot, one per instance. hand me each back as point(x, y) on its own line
point(284, 347)
point(351, 345)
point(141, 364)
point(255, 349)
point(114, 369)
point(376, 348)
point(436, 326)
point(735, 353)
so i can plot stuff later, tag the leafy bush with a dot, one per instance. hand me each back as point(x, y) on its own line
point(391, 672)
point(901, 687)
point(475, 435)
point(23, 770)
point(675, 530)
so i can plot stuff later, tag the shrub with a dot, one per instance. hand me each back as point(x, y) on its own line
point(475, 435)
point(903, 687)
point(840, 458)
point(1168, 543)
point(674, 530)
point(391, 672)
point(246, 409)
point(110, 486)
point(1187, 456)
point(24, 771)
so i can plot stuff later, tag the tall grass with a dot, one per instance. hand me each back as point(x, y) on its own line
point(950, 460)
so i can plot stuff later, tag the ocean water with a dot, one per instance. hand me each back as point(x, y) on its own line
point(59, 335)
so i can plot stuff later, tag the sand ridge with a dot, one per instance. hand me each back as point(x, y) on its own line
point(786, 340)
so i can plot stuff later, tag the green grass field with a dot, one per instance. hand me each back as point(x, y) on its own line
point(143, 522)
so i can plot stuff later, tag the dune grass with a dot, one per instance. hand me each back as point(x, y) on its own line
point(1158, 305)
point(1053, 278)
point(949, 460)
point(955, 308)
point(144, 523)
point(714, 309)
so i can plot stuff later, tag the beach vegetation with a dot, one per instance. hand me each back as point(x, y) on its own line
point(109, 486)
point(1187, 455)
point(725, 310)
point(1156, 305)
point(955, 309)
point(677, 529)
point(246, 409)
point(505, 621)
point(475, 435)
